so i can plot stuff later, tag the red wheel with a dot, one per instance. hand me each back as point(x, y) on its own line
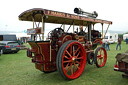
point(71, 59)
point(100, 57)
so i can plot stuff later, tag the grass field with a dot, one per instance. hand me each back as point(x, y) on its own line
point(17, 69)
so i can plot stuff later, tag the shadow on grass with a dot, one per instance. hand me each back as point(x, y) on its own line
point(55, 77)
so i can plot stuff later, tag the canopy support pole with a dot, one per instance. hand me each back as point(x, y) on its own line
point(50, 51)
point(89, 31)
point(42, 30)
point(93, 26)
point(32, 35)
point(102, 30)
point(64, 27)
point(33, 23)
point(106, 30)
point(73, 28)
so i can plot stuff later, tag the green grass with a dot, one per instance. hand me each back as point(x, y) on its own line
point(17, 69)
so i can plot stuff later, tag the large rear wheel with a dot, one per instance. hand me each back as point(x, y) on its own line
point(71, 59)
point(100, 57)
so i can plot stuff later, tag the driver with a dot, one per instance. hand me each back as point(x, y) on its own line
point(81, 31)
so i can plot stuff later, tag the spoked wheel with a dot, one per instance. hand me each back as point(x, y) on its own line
point(71, 59)
point(100, 57)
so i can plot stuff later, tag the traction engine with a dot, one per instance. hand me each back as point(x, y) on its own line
point(63, 51)
point(66, 50)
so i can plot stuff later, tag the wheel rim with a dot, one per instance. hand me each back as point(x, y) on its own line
point(101, 57)
point(74, 60)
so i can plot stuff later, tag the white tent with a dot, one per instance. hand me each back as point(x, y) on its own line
point(19, 35)
point(125, 36)
point(111, 38)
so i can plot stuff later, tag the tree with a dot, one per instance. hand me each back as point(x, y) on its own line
point(120, 36)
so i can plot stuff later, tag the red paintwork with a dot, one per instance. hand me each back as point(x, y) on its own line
point(63, 39)
point(98, 41)
point(41, 51)
point(37, 58)
point(41, 58)
point(45, 51)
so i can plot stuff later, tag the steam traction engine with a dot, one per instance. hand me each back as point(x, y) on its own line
point(64, 51)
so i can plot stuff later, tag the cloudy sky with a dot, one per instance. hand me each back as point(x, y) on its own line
point(112, 10)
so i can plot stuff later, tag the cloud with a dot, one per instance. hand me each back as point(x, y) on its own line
point(115, 11)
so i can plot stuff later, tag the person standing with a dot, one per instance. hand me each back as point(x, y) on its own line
point(103, 45)
point(126, 40)
point(107, 45)
point(118, 44)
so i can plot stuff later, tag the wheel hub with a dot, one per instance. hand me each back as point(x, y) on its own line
point(74, 60)
point(100, 57)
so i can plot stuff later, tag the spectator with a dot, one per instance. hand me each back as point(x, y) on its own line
point(126, 40)
point(118, 44)
point(107, 45)
point(103, 45)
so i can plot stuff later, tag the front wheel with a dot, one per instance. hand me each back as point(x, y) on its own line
point(71, 60)
point(100, 57)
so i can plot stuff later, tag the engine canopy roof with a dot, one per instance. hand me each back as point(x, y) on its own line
point(56, 17)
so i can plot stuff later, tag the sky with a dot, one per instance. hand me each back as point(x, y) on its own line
point(111, 10)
